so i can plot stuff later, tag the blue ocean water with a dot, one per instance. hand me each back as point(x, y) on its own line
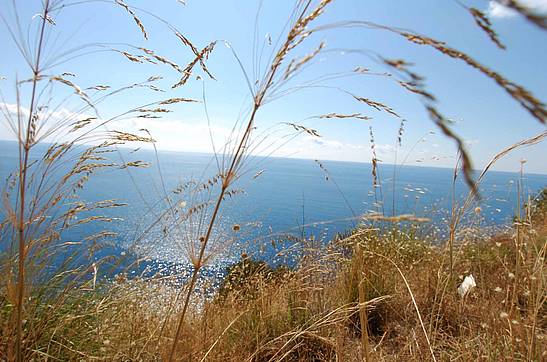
point(275, 197)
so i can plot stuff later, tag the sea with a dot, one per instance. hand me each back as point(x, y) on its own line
point(274, 204)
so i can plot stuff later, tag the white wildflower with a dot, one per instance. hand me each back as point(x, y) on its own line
point(467, 285)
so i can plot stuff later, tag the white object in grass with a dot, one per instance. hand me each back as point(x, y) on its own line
point(467, 285)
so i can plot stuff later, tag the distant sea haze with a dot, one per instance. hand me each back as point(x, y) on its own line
point(277, 196)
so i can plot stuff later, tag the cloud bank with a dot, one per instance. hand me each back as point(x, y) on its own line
point(496, 9)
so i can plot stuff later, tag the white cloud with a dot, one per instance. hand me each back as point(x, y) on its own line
point(177, 135)
point(496, 9)
point(193, 134)
point(171, 135)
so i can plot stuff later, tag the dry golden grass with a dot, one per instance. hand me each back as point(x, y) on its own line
point(315, 311)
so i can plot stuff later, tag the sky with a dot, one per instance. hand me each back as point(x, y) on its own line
point(483, 114)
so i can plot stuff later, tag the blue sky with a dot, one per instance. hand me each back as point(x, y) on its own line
point(484, 115)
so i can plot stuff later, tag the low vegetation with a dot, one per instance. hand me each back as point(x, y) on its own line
point(398, 278)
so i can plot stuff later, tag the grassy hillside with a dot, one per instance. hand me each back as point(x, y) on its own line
point(394, 278)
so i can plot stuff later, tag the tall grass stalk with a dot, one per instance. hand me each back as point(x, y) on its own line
point(24, 151)
point(44, 203)
point(295, 36)
point(363, 317)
